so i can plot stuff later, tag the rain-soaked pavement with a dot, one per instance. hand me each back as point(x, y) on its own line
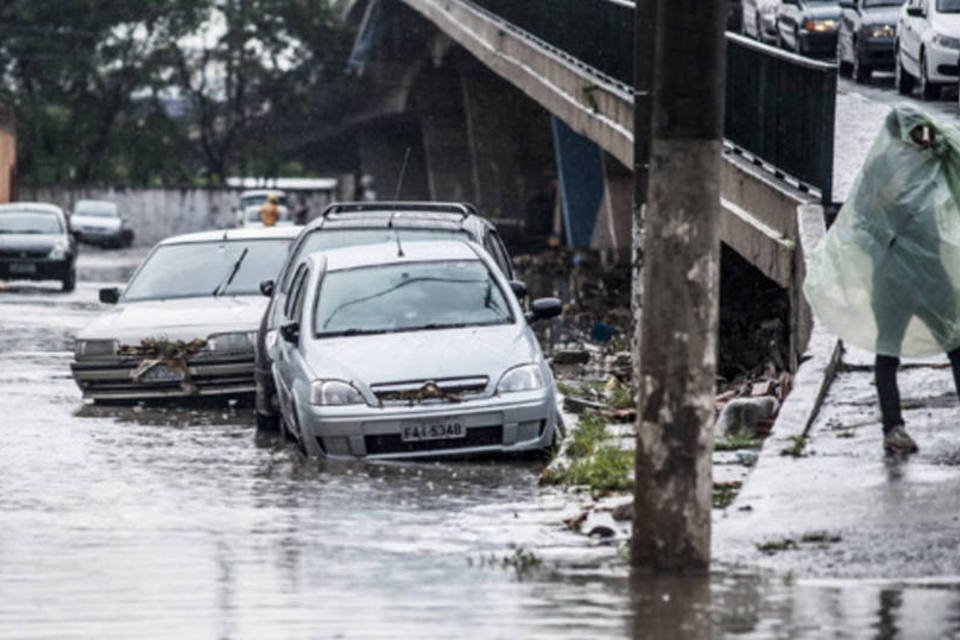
point(145, 522)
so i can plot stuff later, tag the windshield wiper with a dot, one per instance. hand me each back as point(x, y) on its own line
point(352, 332)
point(233, 273)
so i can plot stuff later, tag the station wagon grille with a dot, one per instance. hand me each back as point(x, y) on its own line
point(430, 391)
point(393, 443)
point(24, 253)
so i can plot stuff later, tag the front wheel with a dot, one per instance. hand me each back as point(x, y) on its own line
point(267, 424)
point(70, 282)
point(861, 72)
point(928, 90)
point(902, 79)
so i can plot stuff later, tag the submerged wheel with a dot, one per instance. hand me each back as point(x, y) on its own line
point(861, 72)
point(928, 90)
point(70, 282)
point(902, 79)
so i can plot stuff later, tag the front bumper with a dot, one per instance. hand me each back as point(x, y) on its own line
point(113, 380)
point(93, 235)
point(34, 268)
point(877, 53)
point(816, 43)
point(942, 64)
point(501, 424)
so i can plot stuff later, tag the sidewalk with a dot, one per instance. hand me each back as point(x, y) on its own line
point(843, 508)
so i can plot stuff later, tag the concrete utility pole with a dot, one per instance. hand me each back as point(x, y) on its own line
point(678, 333)
point(644, 49)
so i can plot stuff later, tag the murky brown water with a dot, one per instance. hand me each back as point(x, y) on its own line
point(181, 523)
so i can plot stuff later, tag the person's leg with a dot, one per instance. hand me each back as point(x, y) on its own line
point(955, 363)
point(889, 392)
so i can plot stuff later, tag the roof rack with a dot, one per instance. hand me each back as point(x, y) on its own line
point(461, 208)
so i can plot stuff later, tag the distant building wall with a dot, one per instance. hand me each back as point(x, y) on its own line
point(156, 214)
point(8, 155)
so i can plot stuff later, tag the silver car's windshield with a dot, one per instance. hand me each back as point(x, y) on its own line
point(30, 222)
point(96, 209)
point(409, 297)
point(193, 269)
point(326, 239)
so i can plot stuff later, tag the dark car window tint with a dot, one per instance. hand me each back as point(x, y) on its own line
point(201, 268)
point(297, 288)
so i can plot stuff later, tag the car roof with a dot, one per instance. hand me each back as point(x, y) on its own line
point(35, 207)
point(413, 214)
point(387, 253)
point(256, 233)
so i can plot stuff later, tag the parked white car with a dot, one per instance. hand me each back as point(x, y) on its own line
point(186, 323)
point(422, 349)
point(760, 19)
point(928, 46)
point(248, 214)
point(100, 222)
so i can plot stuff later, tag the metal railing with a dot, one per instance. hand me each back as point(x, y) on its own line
point(779, 106)
point(780, 110)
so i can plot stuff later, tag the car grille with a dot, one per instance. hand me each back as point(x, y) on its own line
point(24, 253)
point(393, 443)
point(442, 390)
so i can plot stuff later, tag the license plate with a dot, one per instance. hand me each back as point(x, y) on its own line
point(446, 430)
point(22, 267)
point(162, 373)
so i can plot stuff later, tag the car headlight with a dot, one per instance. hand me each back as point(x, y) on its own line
point(526, 377)
point(334, 393)
point(238, 341)
point(882, 31)
point(945, 41)
point(94, 348)
point(59, 252)
point(820, 26)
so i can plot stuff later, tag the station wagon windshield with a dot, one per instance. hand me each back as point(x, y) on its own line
point(30, 223)
point(195, 269)
point(409, 297)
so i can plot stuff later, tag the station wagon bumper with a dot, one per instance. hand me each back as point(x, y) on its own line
point(211, 377)
point(500, 424)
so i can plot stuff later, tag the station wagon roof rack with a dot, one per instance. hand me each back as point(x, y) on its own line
point(463, 209)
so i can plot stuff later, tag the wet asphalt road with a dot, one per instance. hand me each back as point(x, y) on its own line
point(143, 522)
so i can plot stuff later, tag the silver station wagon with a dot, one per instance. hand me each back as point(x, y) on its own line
point(186, 323)
point(414, 349)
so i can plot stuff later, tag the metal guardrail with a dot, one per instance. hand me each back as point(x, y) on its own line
point(780, 110)
point(779, 106)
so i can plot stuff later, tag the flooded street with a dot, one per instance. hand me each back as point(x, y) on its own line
point(136, 522)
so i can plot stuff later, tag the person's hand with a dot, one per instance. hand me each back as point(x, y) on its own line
point(923, 136)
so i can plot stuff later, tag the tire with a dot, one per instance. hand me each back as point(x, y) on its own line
point(267, 424)
point(70, 282)
point(844, 68)
point(861, 72)
point(928, 90)
point(903, 80)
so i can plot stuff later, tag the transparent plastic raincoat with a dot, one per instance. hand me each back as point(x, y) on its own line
point(887, 276)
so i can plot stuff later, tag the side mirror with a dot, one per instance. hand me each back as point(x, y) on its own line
point(267, 287)
point(544, 308)
point(915, 12)
point(110, 295)
point(519, 289)
point(290, 332)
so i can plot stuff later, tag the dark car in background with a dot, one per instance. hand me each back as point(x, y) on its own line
point(36, 244)
point(364, 223)
point(809, 27)
point(867, 37)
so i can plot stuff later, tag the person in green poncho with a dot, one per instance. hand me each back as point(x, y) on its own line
point(887, 277)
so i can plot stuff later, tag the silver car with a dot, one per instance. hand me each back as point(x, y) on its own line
point(414, 349)
point(100, 222)
point(185, 325)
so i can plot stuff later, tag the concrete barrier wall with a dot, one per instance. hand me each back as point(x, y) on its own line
point(156, 214)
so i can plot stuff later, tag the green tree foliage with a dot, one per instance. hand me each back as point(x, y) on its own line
point(162, 91)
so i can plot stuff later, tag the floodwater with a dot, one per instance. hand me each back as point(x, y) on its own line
point(152, 522)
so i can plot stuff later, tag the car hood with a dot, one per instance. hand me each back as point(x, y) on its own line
point(180, 319)
point(822, 12)
point(424, 355)
point(946, 23)
point(29, 241)
point(94, 221)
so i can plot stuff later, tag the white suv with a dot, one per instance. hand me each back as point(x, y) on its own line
point(928, 46)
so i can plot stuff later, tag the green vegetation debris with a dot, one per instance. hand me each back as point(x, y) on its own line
point(796, 448)
point(724, 493)
point(775, 546)
point(735, 443)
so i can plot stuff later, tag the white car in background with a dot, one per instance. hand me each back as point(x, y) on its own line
point(760, 19)
point(419, 349)
point(186, 323)
point(928, 46)
point(248, 214)
point(100, 222)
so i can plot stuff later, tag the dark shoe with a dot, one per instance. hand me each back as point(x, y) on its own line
point(898, 442)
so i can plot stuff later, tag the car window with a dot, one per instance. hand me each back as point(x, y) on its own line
point(948, 6)
point(410, 297)
point(299, 294)
point(30, 222)
point(194, 269)
point(500, 253)
point(324, 239)
point(298, 279)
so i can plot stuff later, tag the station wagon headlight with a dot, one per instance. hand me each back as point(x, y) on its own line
point(883, 31)
point(333, 393)
point(947, 42)
point(59, 252)
point(94, 348)
point(820, 26)
point(526, 377)
point(239, 341)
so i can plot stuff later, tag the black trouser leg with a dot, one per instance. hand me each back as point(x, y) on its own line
point(955, 363)
point(886, 374)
